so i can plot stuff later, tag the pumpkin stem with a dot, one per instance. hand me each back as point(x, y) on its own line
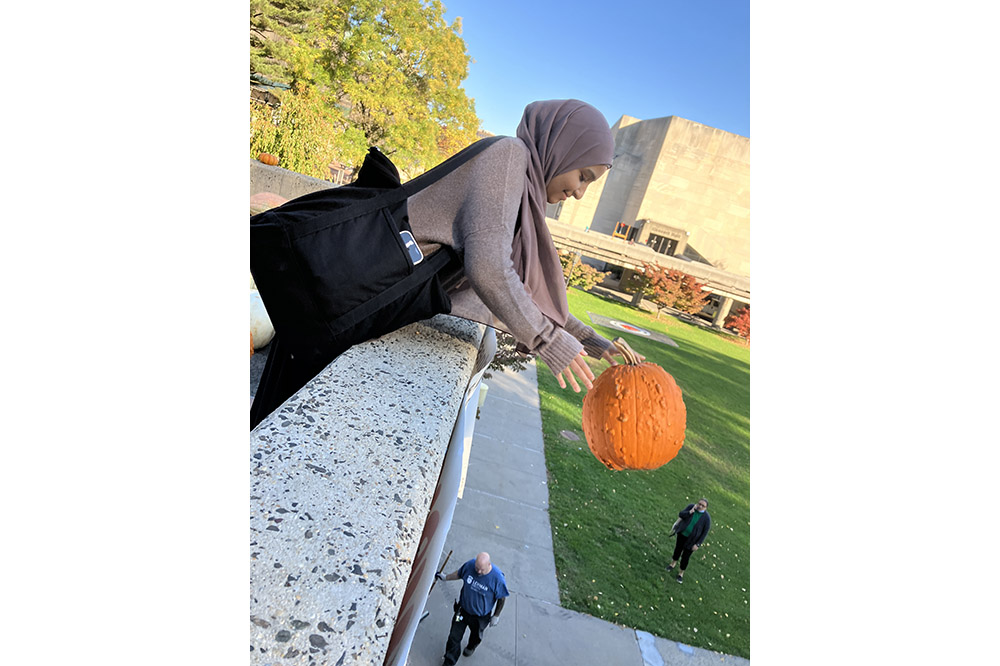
point(631, 358)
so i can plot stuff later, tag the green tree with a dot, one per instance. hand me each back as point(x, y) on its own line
point(280, 37)
point(396, 69)
point(305, 133)
point(579, 274)
point(386, 73)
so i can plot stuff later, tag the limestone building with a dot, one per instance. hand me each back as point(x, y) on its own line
point(678, 186)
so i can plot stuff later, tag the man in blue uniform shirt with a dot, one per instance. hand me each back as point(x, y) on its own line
point(482, 585)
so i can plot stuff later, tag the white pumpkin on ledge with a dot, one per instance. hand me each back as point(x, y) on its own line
point(260, 324)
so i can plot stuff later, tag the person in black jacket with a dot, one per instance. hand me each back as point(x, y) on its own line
point(693, 528)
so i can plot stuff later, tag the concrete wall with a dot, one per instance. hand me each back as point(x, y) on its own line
point(343, 480)
point(582, 213)
point(678, 173)
point(622, 197)
point(701, 183)
point(266, 178)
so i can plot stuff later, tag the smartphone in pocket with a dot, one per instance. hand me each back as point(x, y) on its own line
point(416, 256)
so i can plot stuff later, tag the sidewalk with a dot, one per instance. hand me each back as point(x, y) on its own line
point(504, 511)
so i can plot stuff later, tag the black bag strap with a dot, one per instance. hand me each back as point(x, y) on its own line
point(393, 195)
point(441, 170)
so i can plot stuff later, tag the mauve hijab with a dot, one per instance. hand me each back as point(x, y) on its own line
point(561, 135)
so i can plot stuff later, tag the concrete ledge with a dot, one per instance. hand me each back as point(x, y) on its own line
point(289, 184)
point(342, 478)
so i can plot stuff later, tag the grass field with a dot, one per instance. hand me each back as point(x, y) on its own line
point(610, 528)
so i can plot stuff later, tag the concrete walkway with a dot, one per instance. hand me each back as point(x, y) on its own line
point(504, 511)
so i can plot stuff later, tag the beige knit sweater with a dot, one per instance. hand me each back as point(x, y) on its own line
point(474, 210)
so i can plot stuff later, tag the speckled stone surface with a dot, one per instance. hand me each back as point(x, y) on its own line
point(341, 481)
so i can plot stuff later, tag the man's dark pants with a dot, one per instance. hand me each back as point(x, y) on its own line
point(476, 625)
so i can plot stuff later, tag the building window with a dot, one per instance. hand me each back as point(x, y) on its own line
point(662, 244)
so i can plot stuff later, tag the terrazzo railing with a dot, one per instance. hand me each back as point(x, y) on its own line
point(285, 183)
point(353, 485)
point(352, 488)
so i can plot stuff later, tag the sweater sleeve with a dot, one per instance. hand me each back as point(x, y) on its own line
point(594, 344)
point(487, 227)
point(492, 275)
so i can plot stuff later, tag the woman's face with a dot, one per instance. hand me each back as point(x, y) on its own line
point(572, 183)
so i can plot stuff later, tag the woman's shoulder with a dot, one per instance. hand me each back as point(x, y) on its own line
point(507, 148)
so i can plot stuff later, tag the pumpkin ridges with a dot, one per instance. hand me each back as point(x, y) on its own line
point(618, 442)
point(639, 390)
point(639, 381)
point(610, 422)
point(654, 400)
point(602, 435)
point(649, 449)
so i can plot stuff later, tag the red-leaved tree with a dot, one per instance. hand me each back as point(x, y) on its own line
point(674, 289)
point(740, 322)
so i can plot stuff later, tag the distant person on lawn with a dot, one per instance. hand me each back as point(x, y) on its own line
point(483, 585)
point(695, 523)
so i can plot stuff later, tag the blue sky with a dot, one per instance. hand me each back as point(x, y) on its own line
point(644, 59)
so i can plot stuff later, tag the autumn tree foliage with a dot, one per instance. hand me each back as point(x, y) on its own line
point(388, 73)
point(579, 274)
point(303, 132)
point(740, 322)
point(674, 289)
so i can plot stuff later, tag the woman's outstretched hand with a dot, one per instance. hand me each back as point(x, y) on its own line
point(579, 367)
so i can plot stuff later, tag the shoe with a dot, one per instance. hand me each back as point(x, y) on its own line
point(680, 579)
point(670, 568)
point(467, 652)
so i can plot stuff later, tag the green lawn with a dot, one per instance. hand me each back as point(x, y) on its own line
point(609, 528)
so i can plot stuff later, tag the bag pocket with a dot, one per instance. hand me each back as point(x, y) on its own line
point(419, 296)
point(349, 262)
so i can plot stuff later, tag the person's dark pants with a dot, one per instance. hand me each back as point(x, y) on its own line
point(682, 551)
point(476, 625)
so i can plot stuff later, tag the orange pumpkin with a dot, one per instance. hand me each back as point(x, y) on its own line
point(268, 158)
point(634, 417)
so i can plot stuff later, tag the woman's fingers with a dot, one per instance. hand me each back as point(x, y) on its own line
point(572, 380)
point(576, 368)
point(584, 370)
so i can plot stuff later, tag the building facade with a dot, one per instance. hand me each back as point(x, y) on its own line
point(678, 186)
